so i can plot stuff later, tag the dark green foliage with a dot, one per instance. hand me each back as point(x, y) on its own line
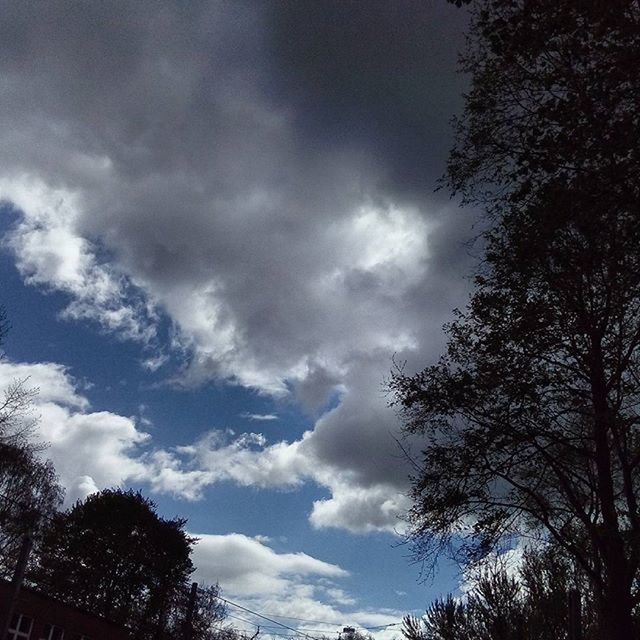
point(29, 489)
point(530, 420)
point(231, 633)
point(445, 620)
point(524, 603)
point(114, 556)
point(208, 610)
point(29, 494)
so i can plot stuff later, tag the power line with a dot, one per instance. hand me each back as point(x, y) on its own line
point(273, 626)
point(299, 631)
point(255, 624)
point(230, 615)
point(379, 626)
point(277, 615)
point(259, 615)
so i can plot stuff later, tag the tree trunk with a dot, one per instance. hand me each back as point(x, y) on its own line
point(615, 615)
point(616, 621)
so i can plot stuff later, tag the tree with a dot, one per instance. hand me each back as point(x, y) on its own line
point(29, 489)
point(444, 620)
point(29, 494)
point(112, 555)
point(530, 420)
point(528, 602)
point(351, 633)
point(208, 610)
point(231, 633)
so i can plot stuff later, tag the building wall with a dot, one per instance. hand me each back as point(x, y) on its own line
point(46, 611)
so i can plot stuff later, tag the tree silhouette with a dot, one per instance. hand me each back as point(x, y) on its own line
point(114, 556)
point(523, 601)
point(531, 417)
point(29, 489)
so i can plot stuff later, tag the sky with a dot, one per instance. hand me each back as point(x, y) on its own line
point(219, 229)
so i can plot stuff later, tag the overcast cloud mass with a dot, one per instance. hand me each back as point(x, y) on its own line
point(246, 190)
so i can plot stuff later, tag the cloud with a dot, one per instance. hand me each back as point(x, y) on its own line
point(50, 253)
point(281, 585)
point(217, 166)
point(96, 449)
point(90, 450)
point(247, 460)
point(361, 510)
point(508, 560)
point(261, 417)
point(53, 384)
point(219, 456)
point(246, 565)
point(339, 597)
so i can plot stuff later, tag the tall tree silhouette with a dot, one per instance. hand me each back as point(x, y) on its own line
point(531, 417)
point(29, 489)
point(114, 556)
point(502, 602)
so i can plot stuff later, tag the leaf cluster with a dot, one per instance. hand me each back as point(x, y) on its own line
point(112, 555)
point(528, 602)
point(29, 489)
point(530, 420)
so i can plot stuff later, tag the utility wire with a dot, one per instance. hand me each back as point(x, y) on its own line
point(259, 615)
point(301, 630)
point(269, 626)
point(279, 624)
point(277, 615)
point(379, 626)
point(230, 615)
point(263, 626)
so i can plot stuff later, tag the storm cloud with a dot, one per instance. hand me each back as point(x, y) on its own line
point(261, 176)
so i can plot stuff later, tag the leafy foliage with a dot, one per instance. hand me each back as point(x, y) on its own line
point(114, 556)
point(231, 633)
point(552, 101)
point(508, 603)
point(530, 420)
point(29, 494)
point(29, 489)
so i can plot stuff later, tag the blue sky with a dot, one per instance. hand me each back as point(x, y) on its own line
point(219, 228)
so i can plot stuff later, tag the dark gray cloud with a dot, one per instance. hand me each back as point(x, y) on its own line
point(377, 74)
point(261, 173)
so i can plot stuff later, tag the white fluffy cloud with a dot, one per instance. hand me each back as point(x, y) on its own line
point(50, 253)
point(361, 510)
point(247, 461)
point(282, 584)
point(169, 164)
point(343, 350)
point(260, 417)
point(248, 567)
point(90, 450)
